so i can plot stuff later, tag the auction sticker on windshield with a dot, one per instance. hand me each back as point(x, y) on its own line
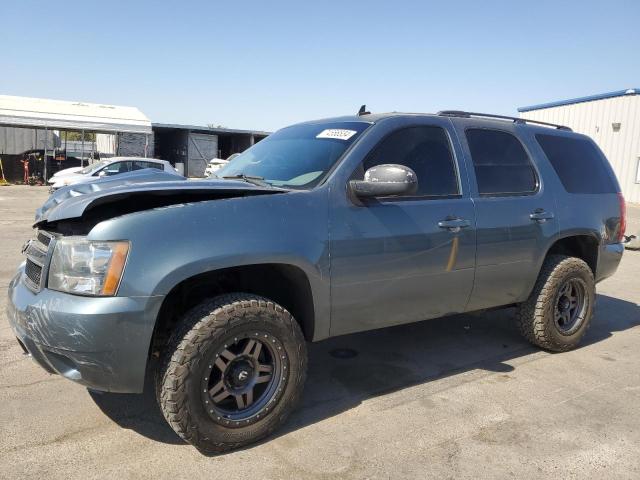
point(338, 133)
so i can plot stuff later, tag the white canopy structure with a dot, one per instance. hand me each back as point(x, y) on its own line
point(64, 115)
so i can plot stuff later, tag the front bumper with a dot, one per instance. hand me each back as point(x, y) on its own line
point(99, 342)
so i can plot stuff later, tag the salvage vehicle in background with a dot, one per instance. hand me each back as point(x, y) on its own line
point(322, 229)
point(104, 168)
point(213, 166)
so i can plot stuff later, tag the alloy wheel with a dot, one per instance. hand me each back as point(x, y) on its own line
point(244, 378)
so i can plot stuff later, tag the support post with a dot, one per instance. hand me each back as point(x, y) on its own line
point(46, 135)
point(82, 150)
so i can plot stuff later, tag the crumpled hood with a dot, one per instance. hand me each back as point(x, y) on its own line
point(139, 193)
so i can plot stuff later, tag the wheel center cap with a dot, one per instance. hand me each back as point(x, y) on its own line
point(240, 374)
point(564, 304)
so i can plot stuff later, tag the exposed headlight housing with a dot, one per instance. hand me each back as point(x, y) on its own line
point(86, 267)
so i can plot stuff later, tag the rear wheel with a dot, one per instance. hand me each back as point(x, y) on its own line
point(232, 373)
point(558, 312)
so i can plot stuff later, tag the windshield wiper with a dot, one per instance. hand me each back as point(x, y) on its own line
point(253, 179)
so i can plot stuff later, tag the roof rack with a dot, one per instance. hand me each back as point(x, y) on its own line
point(460, 113)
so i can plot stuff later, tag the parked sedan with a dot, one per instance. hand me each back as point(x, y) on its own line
point(109, 167)
point(213, 166)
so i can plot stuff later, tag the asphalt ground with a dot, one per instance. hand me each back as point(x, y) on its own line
point(458, 397)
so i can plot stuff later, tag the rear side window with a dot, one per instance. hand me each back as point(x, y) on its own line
point(426, 150)
point(501, 164)
point(578, 163)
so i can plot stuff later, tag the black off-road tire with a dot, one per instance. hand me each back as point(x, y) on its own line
point(535, 316)
point(202, 331)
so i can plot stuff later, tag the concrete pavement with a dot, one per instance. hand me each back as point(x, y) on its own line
point(459, 397)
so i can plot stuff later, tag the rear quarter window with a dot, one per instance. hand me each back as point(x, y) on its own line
point(578, 163)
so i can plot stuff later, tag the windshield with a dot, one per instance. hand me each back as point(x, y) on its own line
point(93, 167)
point(298, 156)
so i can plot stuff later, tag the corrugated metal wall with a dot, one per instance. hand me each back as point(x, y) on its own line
point(596, 119)
point(14, 140)
point(134, 145)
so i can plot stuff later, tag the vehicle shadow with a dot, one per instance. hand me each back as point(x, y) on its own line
point(385, 361)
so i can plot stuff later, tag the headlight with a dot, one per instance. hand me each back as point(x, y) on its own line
point(87, 267)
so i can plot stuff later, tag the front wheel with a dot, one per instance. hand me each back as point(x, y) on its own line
point(232, 373)
point(558, 312)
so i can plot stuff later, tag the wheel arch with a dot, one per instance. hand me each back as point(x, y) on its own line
point(283, 283)
point(584, 244)
point(580, 244)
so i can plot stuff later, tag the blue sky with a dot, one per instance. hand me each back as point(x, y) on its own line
point(264, 65)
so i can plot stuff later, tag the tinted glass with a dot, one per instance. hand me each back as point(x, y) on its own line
point(93, 167)
point(426, 150)
point(578, 163)
point(501, 164)
point(298, 156)
point(139, 165)
point(117, 167)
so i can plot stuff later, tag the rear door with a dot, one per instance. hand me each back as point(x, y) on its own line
point(403, 259)
point(515, 212)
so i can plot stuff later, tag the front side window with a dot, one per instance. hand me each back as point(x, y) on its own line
point(296, 157)
point(139, 165)
point(116, 168)
point(501, 164)
point(424, 149)
point(93, 167)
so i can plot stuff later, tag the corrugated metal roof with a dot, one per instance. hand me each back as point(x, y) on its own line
point(59, 114)
point(590, 98)
point(213, 130)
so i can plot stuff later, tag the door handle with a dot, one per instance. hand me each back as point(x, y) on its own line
point(540, 215)
point(454, 224)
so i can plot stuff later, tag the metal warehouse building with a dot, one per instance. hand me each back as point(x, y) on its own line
point(612, 120)
point(44, 134)
point(35, 130)
point(193, 146)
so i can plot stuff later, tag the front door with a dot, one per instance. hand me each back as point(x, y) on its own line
point(403, 259)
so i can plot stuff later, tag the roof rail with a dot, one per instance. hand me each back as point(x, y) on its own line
point(459, 113)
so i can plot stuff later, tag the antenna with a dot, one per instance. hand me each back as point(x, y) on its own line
point(363, 111)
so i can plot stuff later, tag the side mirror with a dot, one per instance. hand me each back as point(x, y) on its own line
point(386, 180)
point(103, 173)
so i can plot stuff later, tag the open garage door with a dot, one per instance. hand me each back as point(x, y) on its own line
point(202, 148)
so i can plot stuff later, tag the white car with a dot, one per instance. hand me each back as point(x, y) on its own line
point(69, 171)
point(214, 165)
point(104, 168)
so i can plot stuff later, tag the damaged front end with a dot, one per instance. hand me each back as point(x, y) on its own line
point(90, 339)
point(83, 329)
point(93, 341)
point(76, 210)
